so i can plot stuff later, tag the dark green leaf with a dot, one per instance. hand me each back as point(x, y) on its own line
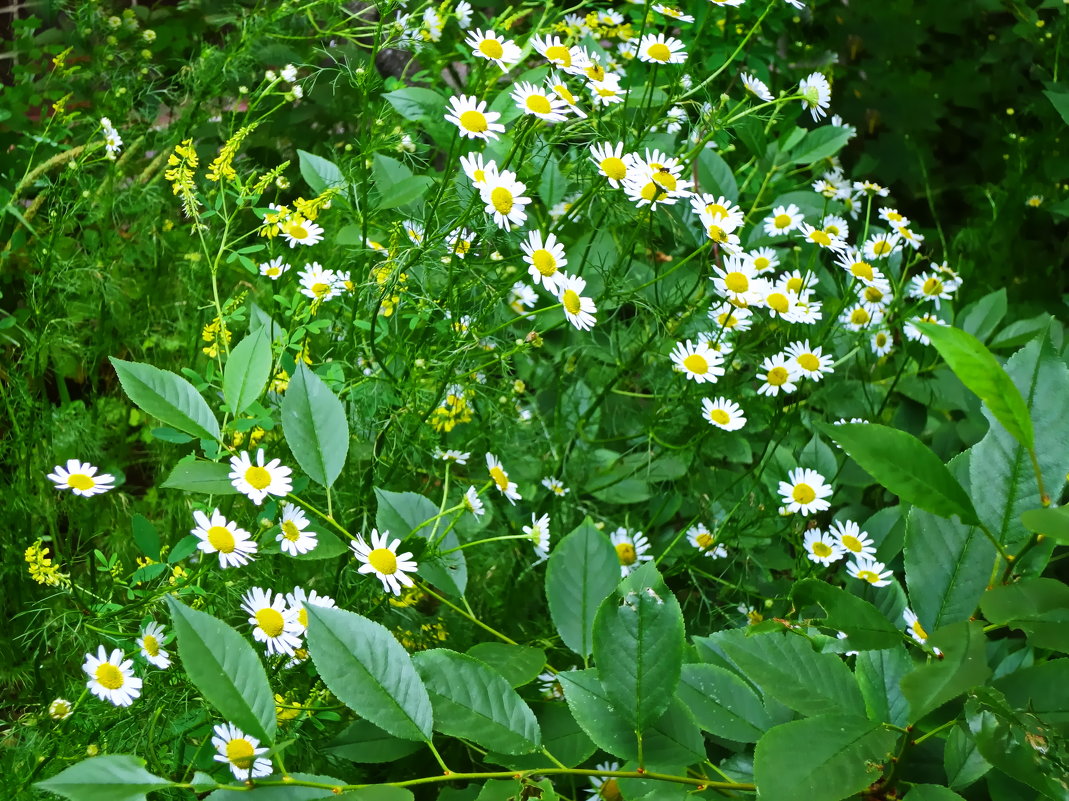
point(1041, 689)
point(167, 396)
point(247, 369)
point(583, 569)
point(364, 742)
point(561, 736)
point(316, 429)
point(962, 761)
point(210, 478)
point(1050, 522)
point(962, 667)
point(146, 537)
point(715, 175)
point(878, 675)
point(862, 622)
point(519, 664)
point(981, 318)
point(931, 792)
point(820, 144)
point(115, 777)
point(1060, 101)
point(1037, 606)
point(403, 192)
point(722, 703)
point(416, 103)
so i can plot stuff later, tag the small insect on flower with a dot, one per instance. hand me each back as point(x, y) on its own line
point(631, 550)
point(869, 570)
point(805, 491)
point(723, 413)
point(274, 623)
point(381, 559)
point(501, 479)
point(234, 545)
point(240, 751)
point(151, 644)
point(578, 309)
point(820, 547)
point(294, 537)
point(469, 114)
point(538, 102)
point(672, 12)
point(111, 678)
point(82, 479)
point(257, 481)
point(661, 50)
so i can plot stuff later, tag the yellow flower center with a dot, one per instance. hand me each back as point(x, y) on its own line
point(696, 364)
point(290, 530)
point(831, 229)
point(859, 316)
point(881, 247)
point(933, 286)
point(873, 294)
point(728, 320)
point(151, 645)
point(499, 477)
point(560, 54)
point(595, 72)
point(659, 52)
point(614, 168)
point(479, 176)
point(80, 481)
point(717, 234)
point(861, 269)
point(794, 284)
point(319, 290)
point(270, 620)
point(781, 220)
point(778, 302)
point(474, 121)
point(383, 560)
point(894, 216)
point(851, 543)
point(610, 790)
point(821, 549)
point(564, 94)
point(571, 301)
point(302, 617)
point(918, 629)
point(297, 231)
point(737, 282)
point(651, 191)
point(777, 376)
point(501, 200)
point(720, 416)
point(868, 576)
point(881, 340)
point(544, 262)
point(625, 552)
point(109, 676)
point(240, 753)
point(491, 48)
point(539, 104)
point(809, 362)
point(665, 179)
point(221, 538)
point(715, 209)
point(259, 477)
point(803, 493)
point(820, 238)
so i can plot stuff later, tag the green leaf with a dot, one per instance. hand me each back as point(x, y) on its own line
point(211, 478)
point(1060, 101)
point(167, 396)
point(787, 668)
point(146, 537)
point(316, 429)
point(824, 758)
point(982, 317)
point(820, 144)
point(1037, 606)
point(416, 103)
point(247, 369)
point(905, 466)
point(225, 669)
point(115, 777)
point(473, 701)
point(722, 703)
point(552, 186)
point(862, 622)
point(319, 173)
point(715, 175)
point(1000, 468)
point(403, 514)
point(183, 548)
point(962, 761)
point(638, 648)
point(583, 570)
point(293, 793)
point(401, 193)
point(931, 792)
point(1041, 689)
point(561, 736)
point(362, 663)
point(962, 667)
point(1050, 522)
point(878, 675)
point(519, 664)
point(362, 741)
point(981, 373)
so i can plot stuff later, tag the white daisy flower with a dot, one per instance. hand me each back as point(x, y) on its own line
point(698, 362)
point(915, 334)
point(112, 140)
point(612, 162)
point(657, 49)
point(234, 545)
point(299, 599)
point(318, 284)
point(869, 570)
point(930, 286)
point(294, 538)
point(504, 199)
point(503, 52)
point(60, 709)
point(717, 208)
point(876, 295)
point(606, 92)
point(473, 503)
point(783, 220)
point(555, 485)
point(381, 559)
point(273, 269)
point(808, 362)
point(415, 230)
point(631, 550)
point(756, 87)
point(913, 626)
point(805, 491)
point(816, 94)
point(257, 481)
point(821, 238)
point(550, 687)
point(477, 171)
point(723, 413)
point(469, 114)
point(700, 537)
point(730, 317)
point(820, 547)
point(561, 90)
point(544, 258)
point(672, 13)
point(578, 310)
point(522, 297)
point(737, 282)
point(460, 457)
point(880, 246)
point(463, 13)
point(241, 752)
point(459, 242)
point(273, 622)
point(779, 376)
point(81, 478)
point(835, 226)
point(111, 678)
point(854, 264)
point(554, 51)
point(151, 644)
point(298, 231)
point(501, 479)
point(858, 318)
point(881, 343)
point(892, 216)
point(538, 102)
point(538, 531)
point(605, 787)
point(852, 539)
point(908, 236)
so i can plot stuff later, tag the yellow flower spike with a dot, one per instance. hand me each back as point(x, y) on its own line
point(222, 168)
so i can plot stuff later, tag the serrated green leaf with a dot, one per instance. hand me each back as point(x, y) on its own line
point(364, 742)
point(319, 173)
point(962, 761)
point(247, 369)
point(583, 569)
point(931, 792)
point(114, 777)
point(315, 426)
point(561, 736)
point(225, 669)
point(210, 478)
point(362, 663)
point(1037, 606)
point(862, 622)
point(519, 664)
point(168, 397)
point(878, 675)
point(472, 700)
point(146, 537)
point(962, 667)
point(722, 703)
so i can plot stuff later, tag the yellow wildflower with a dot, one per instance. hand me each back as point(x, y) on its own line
point(41, 568)
point(222, 167)
point(183, 164)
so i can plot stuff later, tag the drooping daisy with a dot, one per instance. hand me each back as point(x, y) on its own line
point(779, 376)
point(913, 626)
point(820, 547)
point(296, 230)
point(701, 538)
point(612, 162)
point(816, 94)
point(300, 599)
point(112, 140)
point(554, 51)
point(463, 13)
point(605, 787)
point(880, 246)
point(294, 537)
point(908, 236)
point(930, 286)
point(538, 531)
point(784, 219)
point(578, 309)
point(915, 334)
point(855, 265)
point(522, 297)
point(809, 362)
point(561, 90)
point(460, 457)
point(257, 481)
point(501, 479)
point(698, 362)
point(82, 479)
point(469, 114)
point(871, 189)
point(234, 545)
point(111, 678)
point(503, 52)
point(274, 268)
point(555, 485)
point(473, 503)
point(476, 169)
point(240, 751)
point(737, 282)
point(504, 199)
point(60, 709)
point(869, 570)
point(631, 550)
point(274, 623)
point(805, 492)
point(821, 238)
point(881, 343)
point(723, 413)
point(657, 49)
point(318, 284)
point(381, 559)
point(151, 644)
point(672, 13)
point(544, 258)
point(756, 87)
point(852, 539)
point(539, 102)
point(415, 230)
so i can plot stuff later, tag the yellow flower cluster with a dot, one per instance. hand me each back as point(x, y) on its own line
point(454, 410)
point(41, 568)
point(272, 220)
point(223, 166)
point(310, 209)
point(267, 179)
point(183, 165)
point(214, 333)
point(428, 636)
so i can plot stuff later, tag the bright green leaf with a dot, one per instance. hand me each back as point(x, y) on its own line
point(519, 664)
point(820, 144)
point(146, 537)
point(878, 675)
point(1060, 101)
point(722, 703)
point(931, 792)
point(115, 777)
point(316, 429)
point(583, 569)
point(862, 622)
point(963, 666)
point(1051, 522)
point(403, 514)
point(247, 369)
point(319, 173)
point(210, 478)
point(1037, 606)
point(167, 396)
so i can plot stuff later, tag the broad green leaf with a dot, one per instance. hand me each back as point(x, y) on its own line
point(403, 514)
point(183, 548)
point(225, 669)
point(583, 569)
point(115, 777)
point(401, 193)
point(878, 675)
point(824, 758)
point(947, 566)
point(247, 369)
point(962, 667)
point(722, 703)
point(374, 792)
point(984, 376)
point(561, 736)
point(552, 186)
point(519, 664)
point(786, 667)
point(362, 663)
point(1060, 101)
point(362, 741)
point(638, 648)
point(862, 622)
point(316, 429)
point(1041, 689)
point(319, 173)
point(1001, 471)
point(1051, 522)
point(904, 465)
point(820, 144)
point(1037, 606)
point(715, 175)
point(818, 456)
point(416, 103)
point(931, 792)
point(146, 537)
point(673, 740)
point(167, 396)
point(211, 478)
point(473, 701)
point(982, 317)
point(962, 761)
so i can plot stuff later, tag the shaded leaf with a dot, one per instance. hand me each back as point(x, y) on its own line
point(114, 777)
point(583, 569)
point(861, 621)
point(722, 703)
point(247, 369)
point(519, 664)
point(1037, 606)
point(878, 675)
point(211, 478)
point(962, 667)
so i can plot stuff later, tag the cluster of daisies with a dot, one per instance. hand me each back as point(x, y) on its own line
point(316, 283)
point(281, 621)
point(111, 675)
